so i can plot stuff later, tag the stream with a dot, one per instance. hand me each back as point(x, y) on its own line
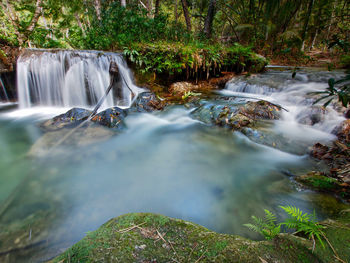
point(165, 162)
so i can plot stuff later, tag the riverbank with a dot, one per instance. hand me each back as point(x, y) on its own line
point(155, 238)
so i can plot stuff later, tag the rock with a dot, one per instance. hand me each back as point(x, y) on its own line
point(319, 181)
point(85, 135)
point(265, 134)
point(118, 240)
point(312, 115)
point(343, 131)
point(180, 88)
point(147, 102)
point(111, 118)
point(70, 118)
point(237, 116)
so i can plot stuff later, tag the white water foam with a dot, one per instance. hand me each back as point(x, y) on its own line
point(294, 96)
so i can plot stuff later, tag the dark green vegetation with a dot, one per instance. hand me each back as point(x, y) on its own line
point(156, 238)
point(336, 89)
point(274, 28)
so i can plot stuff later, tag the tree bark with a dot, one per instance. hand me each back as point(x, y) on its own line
point(209, 19)
point(22, 35)
point(156, 11)
point(35, 16)
point(306, 24)
point(175, 11)
point(98, 9)
point(186, 14)
point(123, 3)
point(80, 24)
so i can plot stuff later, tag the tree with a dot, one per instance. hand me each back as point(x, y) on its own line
point(209, 19)
point(23, 29)
point(186, 14)
point(306, 24)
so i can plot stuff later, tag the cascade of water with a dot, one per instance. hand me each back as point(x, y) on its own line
point(4, 93)
point(71, 78)
point(293, 94)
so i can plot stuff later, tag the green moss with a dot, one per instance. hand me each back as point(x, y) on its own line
point(318, 181)
point(150, 237)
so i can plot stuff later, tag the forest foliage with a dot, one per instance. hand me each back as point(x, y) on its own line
point(205, 29)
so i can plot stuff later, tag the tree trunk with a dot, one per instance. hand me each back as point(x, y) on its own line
point(22, 33)
point(209, 19)
point(35, 16)
point(186, 14)
point(80, 24)
point(149, 5)
point(175, 12)
point(98, 9)
point(306, 24)
point(123, 3)
point(156, 11)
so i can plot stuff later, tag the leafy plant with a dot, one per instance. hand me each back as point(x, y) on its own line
point(304, 223)
point(189, 94)
point(266, 226)
point(339, 88)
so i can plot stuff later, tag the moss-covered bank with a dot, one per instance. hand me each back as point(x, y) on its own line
point(144, 237)
point(192, 61)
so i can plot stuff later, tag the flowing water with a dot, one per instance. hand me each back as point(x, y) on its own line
point(164, 162)
point(71, 78)
point(3, 94)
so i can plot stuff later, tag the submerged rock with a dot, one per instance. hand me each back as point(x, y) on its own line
point(237, 116)
point(56, 141)
point(145, 237)
point(312, 115)
point(111, 118)
point(70, 118)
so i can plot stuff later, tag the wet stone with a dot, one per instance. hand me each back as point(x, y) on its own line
point(312, 115)
point(70, 118)
point(111, 118)
point(147, 102)
point(237, 116)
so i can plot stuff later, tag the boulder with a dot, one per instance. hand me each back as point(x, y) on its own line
point(343, 131)
point(180, 88)
point(312, 115)
point(145, 237)
point(56, 141)
point(70, 118)
point(147, 102)
point(237, 116)
point(111, 118)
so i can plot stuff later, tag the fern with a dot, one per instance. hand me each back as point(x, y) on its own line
point(267, 226)
point(304, 223)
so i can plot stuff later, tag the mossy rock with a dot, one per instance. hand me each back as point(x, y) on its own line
point(144, 237)
point(318, 181)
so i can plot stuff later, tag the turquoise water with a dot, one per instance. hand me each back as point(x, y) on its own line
point(164, 162)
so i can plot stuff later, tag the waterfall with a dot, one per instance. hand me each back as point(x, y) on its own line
point(4, 96)
point(71, 78)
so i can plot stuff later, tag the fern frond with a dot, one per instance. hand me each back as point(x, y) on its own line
point(253, 227)
point(270, 218)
